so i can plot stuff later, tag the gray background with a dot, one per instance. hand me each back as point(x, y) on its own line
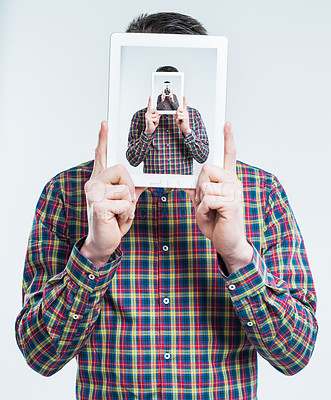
point(53, 96)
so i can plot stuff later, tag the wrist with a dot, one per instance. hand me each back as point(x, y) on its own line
point(239, 258)
point(90, 252)
point(187, 132)
point(148, 133)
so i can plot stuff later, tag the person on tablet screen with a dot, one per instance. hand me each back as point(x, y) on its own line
point(166, 293)
point(167, 144)
point(167, 100)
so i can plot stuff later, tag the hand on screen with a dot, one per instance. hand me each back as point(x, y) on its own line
point(152, 119)
point(182, 118)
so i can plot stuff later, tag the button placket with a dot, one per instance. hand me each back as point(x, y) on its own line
point(165, 333)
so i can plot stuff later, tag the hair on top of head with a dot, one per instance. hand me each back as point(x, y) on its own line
point(166, 82)
point(167, 68)
point(166, 22)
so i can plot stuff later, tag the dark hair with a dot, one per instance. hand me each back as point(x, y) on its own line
point(166, 22)
point(166, 82)
point(167, 68)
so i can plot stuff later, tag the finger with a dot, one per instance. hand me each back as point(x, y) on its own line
point(118, 192)
point(229, 149)
point(117, 175)
point(226, 190)
point(184, 102)
point(212, 173)
point(210, 203)
point(100, 159)
point(106, 209)
point(97, 191)
point(149, 103)
point(211, 188)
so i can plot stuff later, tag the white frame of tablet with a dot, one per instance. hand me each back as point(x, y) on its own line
point(117, 40)
point(180, 98)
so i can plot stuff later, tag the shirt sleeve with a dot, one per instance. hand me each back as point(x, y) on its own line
point(197, 141)
point(138, 142)
point(62, 290)
point(274, 295)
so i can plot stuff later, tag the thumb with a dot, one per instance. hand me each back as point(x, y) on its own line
point(138, 191)
point(100, 159)
point(191, 193)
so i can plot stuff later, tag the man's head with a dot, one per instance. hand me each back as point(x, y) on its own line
point(166, 22)
point(167, 68)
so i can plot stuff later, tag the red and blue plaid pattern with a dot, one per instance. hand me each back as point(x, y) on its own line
point(167, 151)
point(162, 319)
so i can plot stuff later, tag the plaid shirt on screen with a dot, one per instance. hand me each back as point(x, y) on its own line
point(167, 151)
point(162, 319)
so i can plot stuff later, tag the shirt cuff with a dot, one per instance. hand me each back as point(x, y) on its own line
point(147, 139)
point(250, 280)
point(190, 138)
point(83, 272)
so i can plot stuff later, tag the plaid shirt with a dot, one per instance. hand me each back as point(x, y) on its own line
point(162, 319)
point(167, 151)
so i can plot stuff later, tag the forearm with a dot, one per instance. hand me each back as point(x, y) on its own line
point(199, 149)
point(55, 322)
point(279, 324)
point(139, 148)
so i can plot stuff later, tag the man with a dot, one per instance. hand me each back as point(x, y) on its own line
point(166, 293)
point(167, 100)
point(167, 144)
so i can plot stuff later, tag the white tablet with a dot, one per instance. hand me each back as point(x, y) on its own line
point(155, 66)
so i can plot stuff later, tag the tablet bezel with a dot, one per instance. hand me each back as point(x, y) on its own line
point(117, 41)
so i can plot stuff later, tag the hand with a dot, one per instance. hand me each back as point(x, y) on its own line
point(171, 97)
point(218, 202)
point(163, 96)
point(182, 118)
point(152, 119)
point(111, 201)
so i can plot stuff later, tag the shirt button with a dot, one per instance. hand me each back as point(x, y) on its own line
point(91, 276)
point(166, 356)
point(168, 145)
point(75, 316)
point(169, 159)
point(165, 248)
point(164, 199)
point(249, 323)
point(166, 300)
point(232, 287)
point(167, 130)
